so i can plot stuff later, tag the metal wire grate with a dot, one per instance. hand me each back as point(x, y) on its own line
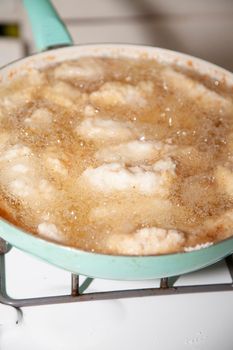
point(77, 291)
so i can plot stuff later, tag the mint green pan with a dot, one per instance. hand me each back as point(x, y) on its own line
point(50, 32)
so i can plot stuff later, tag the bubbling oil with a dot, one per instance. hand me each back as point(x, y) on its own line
point(118, 156)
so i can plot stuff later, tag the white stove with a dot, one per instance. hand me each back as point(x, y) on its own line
point(200, 321)
point(195, 321)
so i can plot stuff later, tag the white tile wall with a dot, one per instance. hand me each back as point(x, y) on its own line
point(201, 37)
point(200, 28)
point(9, 10)
point(10, 50)
point(123, 8)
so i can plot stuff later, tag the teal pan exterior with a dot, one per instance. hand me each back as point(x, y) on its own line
point(114, 267)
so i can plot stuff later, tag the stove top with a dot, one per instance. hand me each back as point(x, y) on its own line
point(185, 321)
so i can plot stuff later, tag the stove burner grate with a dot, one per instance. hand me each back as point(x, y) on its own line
point(77, 291)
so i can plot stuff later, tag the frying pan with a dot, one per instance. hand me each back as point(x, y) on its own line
point(50, 33)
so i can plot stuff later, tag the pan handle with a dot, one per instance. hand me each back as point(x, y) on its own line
point(48, 29)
